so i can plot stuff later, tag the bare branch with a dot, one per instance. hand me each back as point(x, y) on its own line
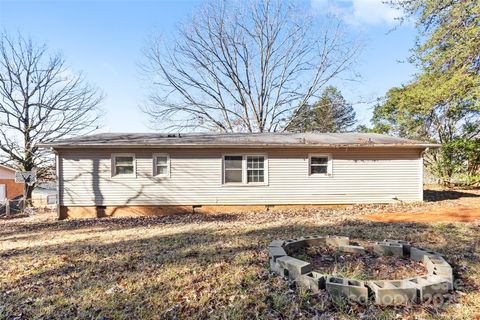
point(244, 67)
point(40, 100)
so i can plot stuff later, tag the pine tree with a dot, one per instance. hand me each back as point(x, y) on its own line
point(331, 113)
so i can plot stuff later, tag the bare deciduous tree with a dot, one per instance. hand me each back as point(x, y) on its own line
point(245, 68)
point(40, 100)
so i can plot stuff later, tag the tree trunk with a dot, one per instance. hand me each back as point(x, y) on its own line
point(28, 190)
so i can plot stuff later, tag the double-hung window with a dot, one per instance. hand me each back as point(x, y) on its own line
point(245, 169)
point(161, 165)
point(123, 165)
point(255, 169)
point(233, 169)
point(320, 165)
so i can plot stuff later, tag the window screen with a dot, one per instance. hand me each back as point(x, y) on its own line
point(319, 165)
point(233, 169)
point(161, 165)
point(124, 165)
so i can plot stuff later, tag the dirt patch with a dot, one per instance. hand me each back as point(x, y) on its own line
point(456, 214)
point(365, 266)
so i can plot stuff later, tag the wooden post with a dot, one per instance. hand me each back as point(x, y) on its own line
point(25, 186)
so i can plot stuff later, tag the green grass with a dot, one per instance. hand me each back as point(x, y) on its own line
point(350, 271)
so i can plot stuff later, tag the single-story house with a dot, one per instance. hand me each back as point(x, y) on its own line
point(9, 189)
point(114, 174)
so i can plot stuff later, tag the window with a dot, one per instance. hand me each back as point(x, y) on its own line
point(244, 169)
point(320, 165)
point(233, 169)
point(123, 164)
point(255, 169)
point(52, 199)
point(161, 165)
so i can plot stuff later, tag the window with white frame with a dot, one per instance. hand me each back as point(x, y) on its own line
point(320, 165)
point(233, 169)
point(123, 164)
point(255, 169)
point(244, 169)
point(161, 165)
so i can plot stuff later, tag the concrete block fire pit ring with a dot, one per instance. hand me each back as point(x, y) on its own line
point(424, 287)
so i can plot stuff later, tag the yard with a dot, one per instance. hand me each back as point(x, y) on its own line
point(215, 266)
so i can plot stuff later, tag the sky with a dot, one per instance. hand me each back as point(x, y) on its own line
point(104, 40)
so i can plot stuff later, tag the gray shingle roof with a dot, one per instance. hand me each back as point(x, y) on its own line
point(232, 140)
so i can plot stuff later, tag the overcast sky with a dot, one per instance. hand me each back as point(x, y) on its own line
point(104, 40)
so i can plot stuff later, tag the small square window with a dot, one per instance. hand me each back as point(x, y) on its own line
point(255, 169)
point(161, 165)
point(320, 165)
point(123, 165)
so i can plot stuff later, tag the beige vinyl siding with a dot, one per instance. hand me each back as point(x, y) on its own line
point(358, 176)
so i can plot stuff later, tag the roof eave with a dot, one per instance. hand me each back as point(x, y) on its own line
point(200, 146)
point(7, 168)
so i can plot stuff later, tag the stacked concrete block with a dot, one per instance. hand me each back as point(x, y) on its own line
point(388, 249)
point(352, 249)
point(336, 241)
point(276, 243)
point(436, 265)
point(406, 245)
point(417, 254)
point(429, 287)
point(348, 288)
point(386, 292)
point(393, 292)
point(312, 281)
point(273, 254)
point(294, 244)
point(293, 268)
point(316, 241)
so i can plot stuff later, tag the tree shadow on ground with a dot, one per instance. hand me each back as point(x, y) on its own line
point(206, 273)
point(114, 223)
point(441, 195)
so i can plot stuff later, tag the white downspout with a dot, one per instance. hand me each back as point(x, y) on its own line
point(57, 173)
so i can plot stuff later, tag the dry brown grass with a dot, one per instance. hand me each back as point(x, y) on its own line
point(359, 266)
point(214, 266)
